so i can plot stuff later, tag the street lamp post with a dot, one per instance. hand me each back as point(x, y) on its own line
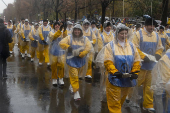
point(123, 8)
point(4, 3)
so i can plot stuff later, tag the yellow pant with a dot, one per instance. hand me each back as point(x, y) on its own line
point(38, 54)
point(74, 78)
point(144, 78)
point(89, 69)
point(57, 65)
point(24, 47)
point(115, 97)
point(11, 46)
point(32, 52)
point(43, 52)
point(19, 42)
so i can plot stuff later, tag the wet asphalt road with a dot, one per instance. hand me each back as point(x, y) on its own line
point(29, 89)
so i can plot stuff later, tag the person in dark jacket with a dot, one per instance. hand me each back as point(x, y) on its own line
point(5, 39)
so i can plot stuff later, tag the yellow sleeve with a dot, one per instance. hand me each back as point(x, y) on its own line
point(88, 45)
point(22, 33)
point(94, 38)
point(18, 28)
point(110, 67)
point(108, 60)
point(65, 34)
point(14, 28)
point(30, 36)
point(86, 50)
point(136, 42)
point(98, 34)
point(101, 29)
point(40, 33)
point(64, 43)
point(57, 34)
point(100, 43)
point(83, 53)
point(142, 55)
point(136, 67)
point(159, 48)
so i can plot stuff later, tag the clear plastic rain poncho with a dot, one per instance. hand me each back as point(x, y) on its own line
point(34, 38)
point(161, 83)
point(108, 54)
point(69, 30)
point(56, 53)
point(105, 37)
point(77, 58)
point(92, 38)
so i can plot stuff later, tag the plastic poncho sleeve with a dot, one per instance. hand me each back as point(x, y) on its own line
point(65, 34)
point(18, 28)
point(40, 33)
point(137, 61)
point(64, 43)
point(100, 43)
point(159, 49)
point(167, 41)
point(31, 36)
point(98, 33)
point(94, 38)
point(136, 42)
point(108, 62)
point(87, 49)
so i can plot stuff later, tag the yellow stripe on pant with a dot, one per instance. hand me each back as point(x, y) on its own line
point(144, 78)
point(74, 78)
point(24, 47)
point(115, 97)
point(43, 52)
point(57, 65)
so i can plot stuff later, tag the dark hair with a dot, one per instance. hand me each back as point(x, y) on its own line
point(55, 24)
point(122, 30)
point(9, 20)
point(45, 20)
point(161, 27)
point(166, 25)
point(93, 22)
point(150, 21)
point(22, 18)
point(138, 26)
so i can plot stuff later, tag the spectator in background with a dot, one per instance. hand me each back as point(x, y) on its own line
point(5, 39)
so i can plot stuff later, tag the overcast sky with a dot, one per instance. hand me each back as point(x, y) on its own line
point(3, 6)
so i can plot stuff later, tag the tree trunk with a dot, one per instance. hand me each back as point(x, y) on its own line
point(103, 13)
point(90, 6)
point(113, 9)
point(75, 18)
point(65, 16)
point(44, 12)
point(164, 11)
point(56, 12)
